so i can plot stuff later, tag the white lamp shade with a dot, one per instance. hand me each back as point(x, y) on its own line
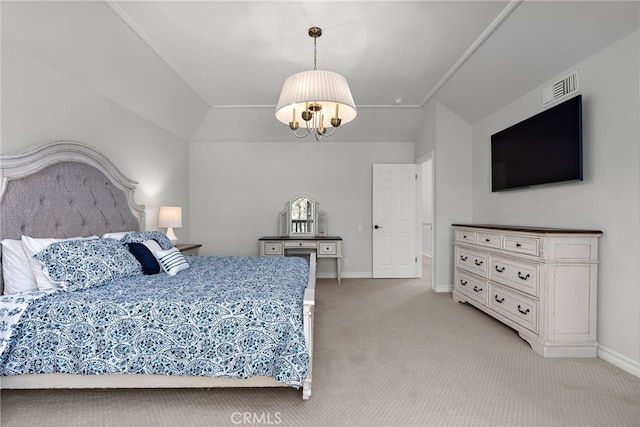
point(170, 217)
point(324, 87)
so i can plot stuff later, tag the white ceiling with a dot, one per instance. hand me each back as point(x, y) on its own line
point(239, 53)
point(474, 56)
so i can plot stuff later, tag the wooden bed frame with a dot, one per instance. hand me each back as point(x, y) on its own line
point(26, 189)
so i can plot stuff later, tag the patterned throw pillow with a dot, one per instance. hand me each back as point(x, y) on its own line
point(172, 261)
point(32, 246)
point(141, 236)
point(79, 264)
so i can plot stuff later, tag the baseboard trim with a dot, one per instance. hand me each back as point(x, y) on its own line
point(622, 362)
point(369, 275)
point(357, 275)
point(442, 288)
point(349, 275)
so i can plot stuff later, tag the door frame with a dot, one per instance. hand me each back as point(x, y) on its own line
point(420, 161)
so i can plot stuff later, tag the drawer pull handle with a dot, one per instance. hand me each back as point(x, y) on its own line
point(487, 240)
point(464, 236)
point(463, 258)
point(477, 289)
point(500, 270)
point(523, 277)
point(463, 282)
point(518, 245)
point(523, 311)
point(499, 300)
point(478, 262)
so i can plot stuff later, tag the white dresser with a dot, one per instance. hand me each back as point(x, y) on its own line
point(540, 281)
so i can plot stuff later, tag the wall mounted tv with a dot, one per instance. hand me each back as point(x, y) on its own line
point(543, 149)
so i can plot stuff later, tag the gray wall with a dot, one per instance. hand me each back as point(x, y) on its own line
point(46, 96)
point(238, 190)
point(449, 137)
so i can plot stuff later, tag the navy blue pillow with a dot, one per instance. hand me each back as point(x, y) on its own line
point(144, 256)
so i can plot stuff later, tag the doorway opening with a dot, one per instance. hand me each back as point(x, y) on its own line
point(426, 220)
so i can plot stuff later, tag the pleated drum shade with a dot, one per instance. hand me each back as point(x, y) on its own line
point(320, 86)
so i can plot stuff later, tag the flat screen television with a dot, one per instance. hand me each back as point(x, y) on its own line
point(543, 149)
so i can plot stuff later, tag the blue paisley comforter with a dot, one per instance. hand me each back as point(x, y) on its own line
point(231, 317)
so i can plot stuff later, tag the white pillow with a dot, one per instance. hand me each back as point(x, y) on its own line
point(172, 261)
point(117, 235)
point(16, 272)
point(31, 247)
point(153, 246)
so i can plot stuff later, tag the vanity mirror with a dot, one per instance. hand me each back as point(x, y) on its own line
point(302, 229)
point(301, 217)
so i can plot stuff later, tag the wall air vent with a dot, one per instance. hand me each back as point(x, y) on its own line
point(560, 88)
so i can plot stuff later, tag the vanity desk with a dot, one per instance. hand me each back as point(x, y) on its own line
point(324, 247)
point(303, 229)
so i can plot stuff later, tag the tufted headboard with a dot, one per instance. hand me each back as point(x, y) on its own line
point(65, 189)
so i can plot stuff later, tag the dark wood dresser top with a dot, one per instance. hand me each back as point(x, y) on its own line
point(300, 238)
point(545, 230)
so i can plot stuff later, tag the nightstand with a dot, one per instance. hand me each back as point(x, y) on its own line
point(188, 249)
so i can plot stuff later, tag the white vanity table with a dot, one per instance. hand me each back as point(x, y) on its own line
point(303, 229)
point(324, 247)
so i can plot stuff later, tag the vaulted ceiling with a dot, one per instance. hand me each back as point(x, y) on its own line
point(233, 56)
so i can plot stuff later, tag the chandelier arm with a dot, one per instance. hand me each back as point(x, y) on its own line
point(311, 124)
point(330, 133)
point(301, 136)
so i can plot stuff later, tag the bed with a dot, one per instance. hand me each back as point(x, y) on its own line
point(221, 322)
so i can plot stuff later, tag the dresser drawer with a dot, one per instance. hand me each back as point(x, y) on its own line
point(304, 244)
point(472, 287)
point(490, 240)
point(514, 306)
point(475, 262)
point(465, 236)
point(516, 274)
point(522, 245)
point(273, 248)
point(328, 248)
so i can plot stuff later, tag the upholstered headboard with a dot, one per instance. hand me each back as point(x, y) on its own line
point(65, 189)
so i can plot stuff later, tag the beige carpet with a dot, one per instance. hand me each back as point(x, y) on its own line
point(388, 352)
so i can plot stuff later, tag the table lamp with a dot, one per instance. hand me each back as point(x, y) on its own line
point(170, 217)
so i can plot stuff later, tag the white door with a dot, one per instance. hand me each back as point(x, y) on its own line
point(394, 220)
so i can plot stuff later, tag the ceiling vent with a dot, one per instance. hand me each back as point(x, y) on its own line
point(560, 88)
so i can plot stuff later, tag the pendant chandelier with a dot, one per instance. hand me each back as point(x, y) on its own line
point(314, 101)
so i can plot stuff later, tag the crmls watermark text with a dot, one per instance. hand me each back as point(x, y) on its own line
point(256, 418)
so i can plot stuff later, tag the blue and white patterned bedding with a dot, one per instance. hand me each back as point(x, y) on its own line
point(231, 317)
